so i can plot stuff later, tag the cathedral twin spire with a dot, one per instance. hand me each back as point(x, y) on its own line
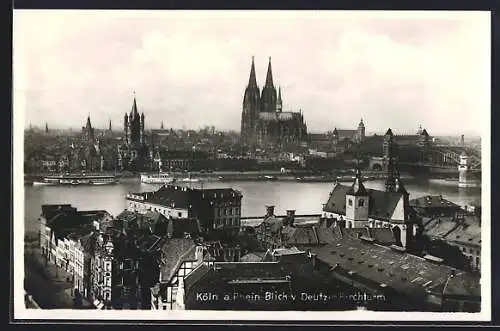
point(267, 101)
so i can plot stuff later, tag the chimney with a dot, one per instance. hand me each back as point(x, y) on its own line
point(269, 211)
point(290, 214)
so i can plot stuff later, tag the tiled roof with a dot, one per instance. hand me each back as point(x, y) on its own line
point(433, 201)
point(375, 265)
point(174, 252)
point(382, 204)
point(465, 231)
point(300, 235)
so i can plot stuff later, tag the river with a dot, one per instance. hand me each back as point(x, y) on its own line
point(305, 198)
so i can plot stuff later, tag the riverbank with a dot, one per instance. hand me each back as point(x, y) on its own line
point(50, 287)
point(299, 176)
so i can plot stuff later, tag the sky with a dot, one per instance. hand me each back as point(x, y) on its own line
point(189, 69)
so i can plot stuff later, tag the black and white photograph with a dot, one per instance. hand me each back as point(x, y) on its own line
point(251, 165)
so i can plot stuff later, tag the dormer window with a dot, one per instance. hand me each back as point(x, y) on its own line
point(349, 202)
point(361, 202)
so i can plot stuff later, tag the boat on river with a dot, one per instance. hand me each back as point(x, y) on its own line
point(77, 179)
point(157, 178)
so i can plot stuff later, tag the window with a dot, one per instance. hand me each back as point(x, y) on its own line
point(361, 202)
point(179, 214)
point(350, 202)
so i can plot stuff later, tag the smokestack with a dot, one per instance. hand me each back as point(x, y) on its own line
point(290, 214)
point(269, 211)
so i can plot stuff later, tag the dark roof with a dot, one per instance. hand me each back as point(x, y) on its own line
point(149, 243)
point(128, 216)
point(194, 276)
point(389, 132)
point(433, 201)
point(177, 227)
point(336, 201)
point(184, 197)
point(239, 273)
point(154, 217)
point(174, 252)
point(381, 205)
point(50, 211)
point(375, 265)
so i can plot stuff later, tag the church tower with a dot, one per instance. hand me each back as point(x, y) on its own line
point(279, 103)
point(251, 104)
point(388, 147)
point(142, 128)
point(268, 98)
point(357, 203)
point(134, 120)
point(125, 128)
point(361, 131)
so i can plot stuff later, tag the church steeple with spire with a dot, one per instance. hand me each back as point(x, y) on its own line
point(134, 123)
point(279, 103)
point(251, 105)
point(268, 97)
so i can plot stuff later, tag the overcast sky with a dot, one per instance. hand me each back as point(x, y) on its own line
point(190, 69)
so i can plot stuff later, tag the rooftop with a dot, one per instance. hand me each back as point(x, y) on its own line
point(464, 230)
point(175, 251)
point(381, 204)
point(433, 201)
point(376, 264)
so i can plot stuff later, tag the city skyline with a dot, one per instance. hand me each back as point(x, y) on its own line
point(393, 70)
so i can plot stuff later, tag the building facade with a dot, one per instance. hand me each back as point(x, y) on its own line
point(264, 124)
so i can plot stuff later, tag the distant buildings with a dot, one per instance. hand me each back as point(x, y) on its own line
point(264, 124)
point(353, 136)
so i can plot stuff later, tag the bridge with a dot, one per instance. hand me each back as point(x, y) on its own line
point(443, 157)
point(433, 157)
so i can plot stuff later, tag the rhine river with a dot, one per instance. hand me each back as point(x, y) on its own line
point(305, 198)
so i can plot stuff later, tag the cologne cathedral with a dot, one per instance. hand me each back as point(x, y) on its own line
point(263, 123)
point(133, 153)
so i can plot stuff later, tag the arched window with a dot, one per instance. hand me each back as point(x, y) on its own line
point(350, 202)
point(361, 202)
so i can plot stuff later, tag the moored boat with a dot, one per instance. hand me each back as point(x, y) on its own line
point(78, 179)
point(157, 178)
